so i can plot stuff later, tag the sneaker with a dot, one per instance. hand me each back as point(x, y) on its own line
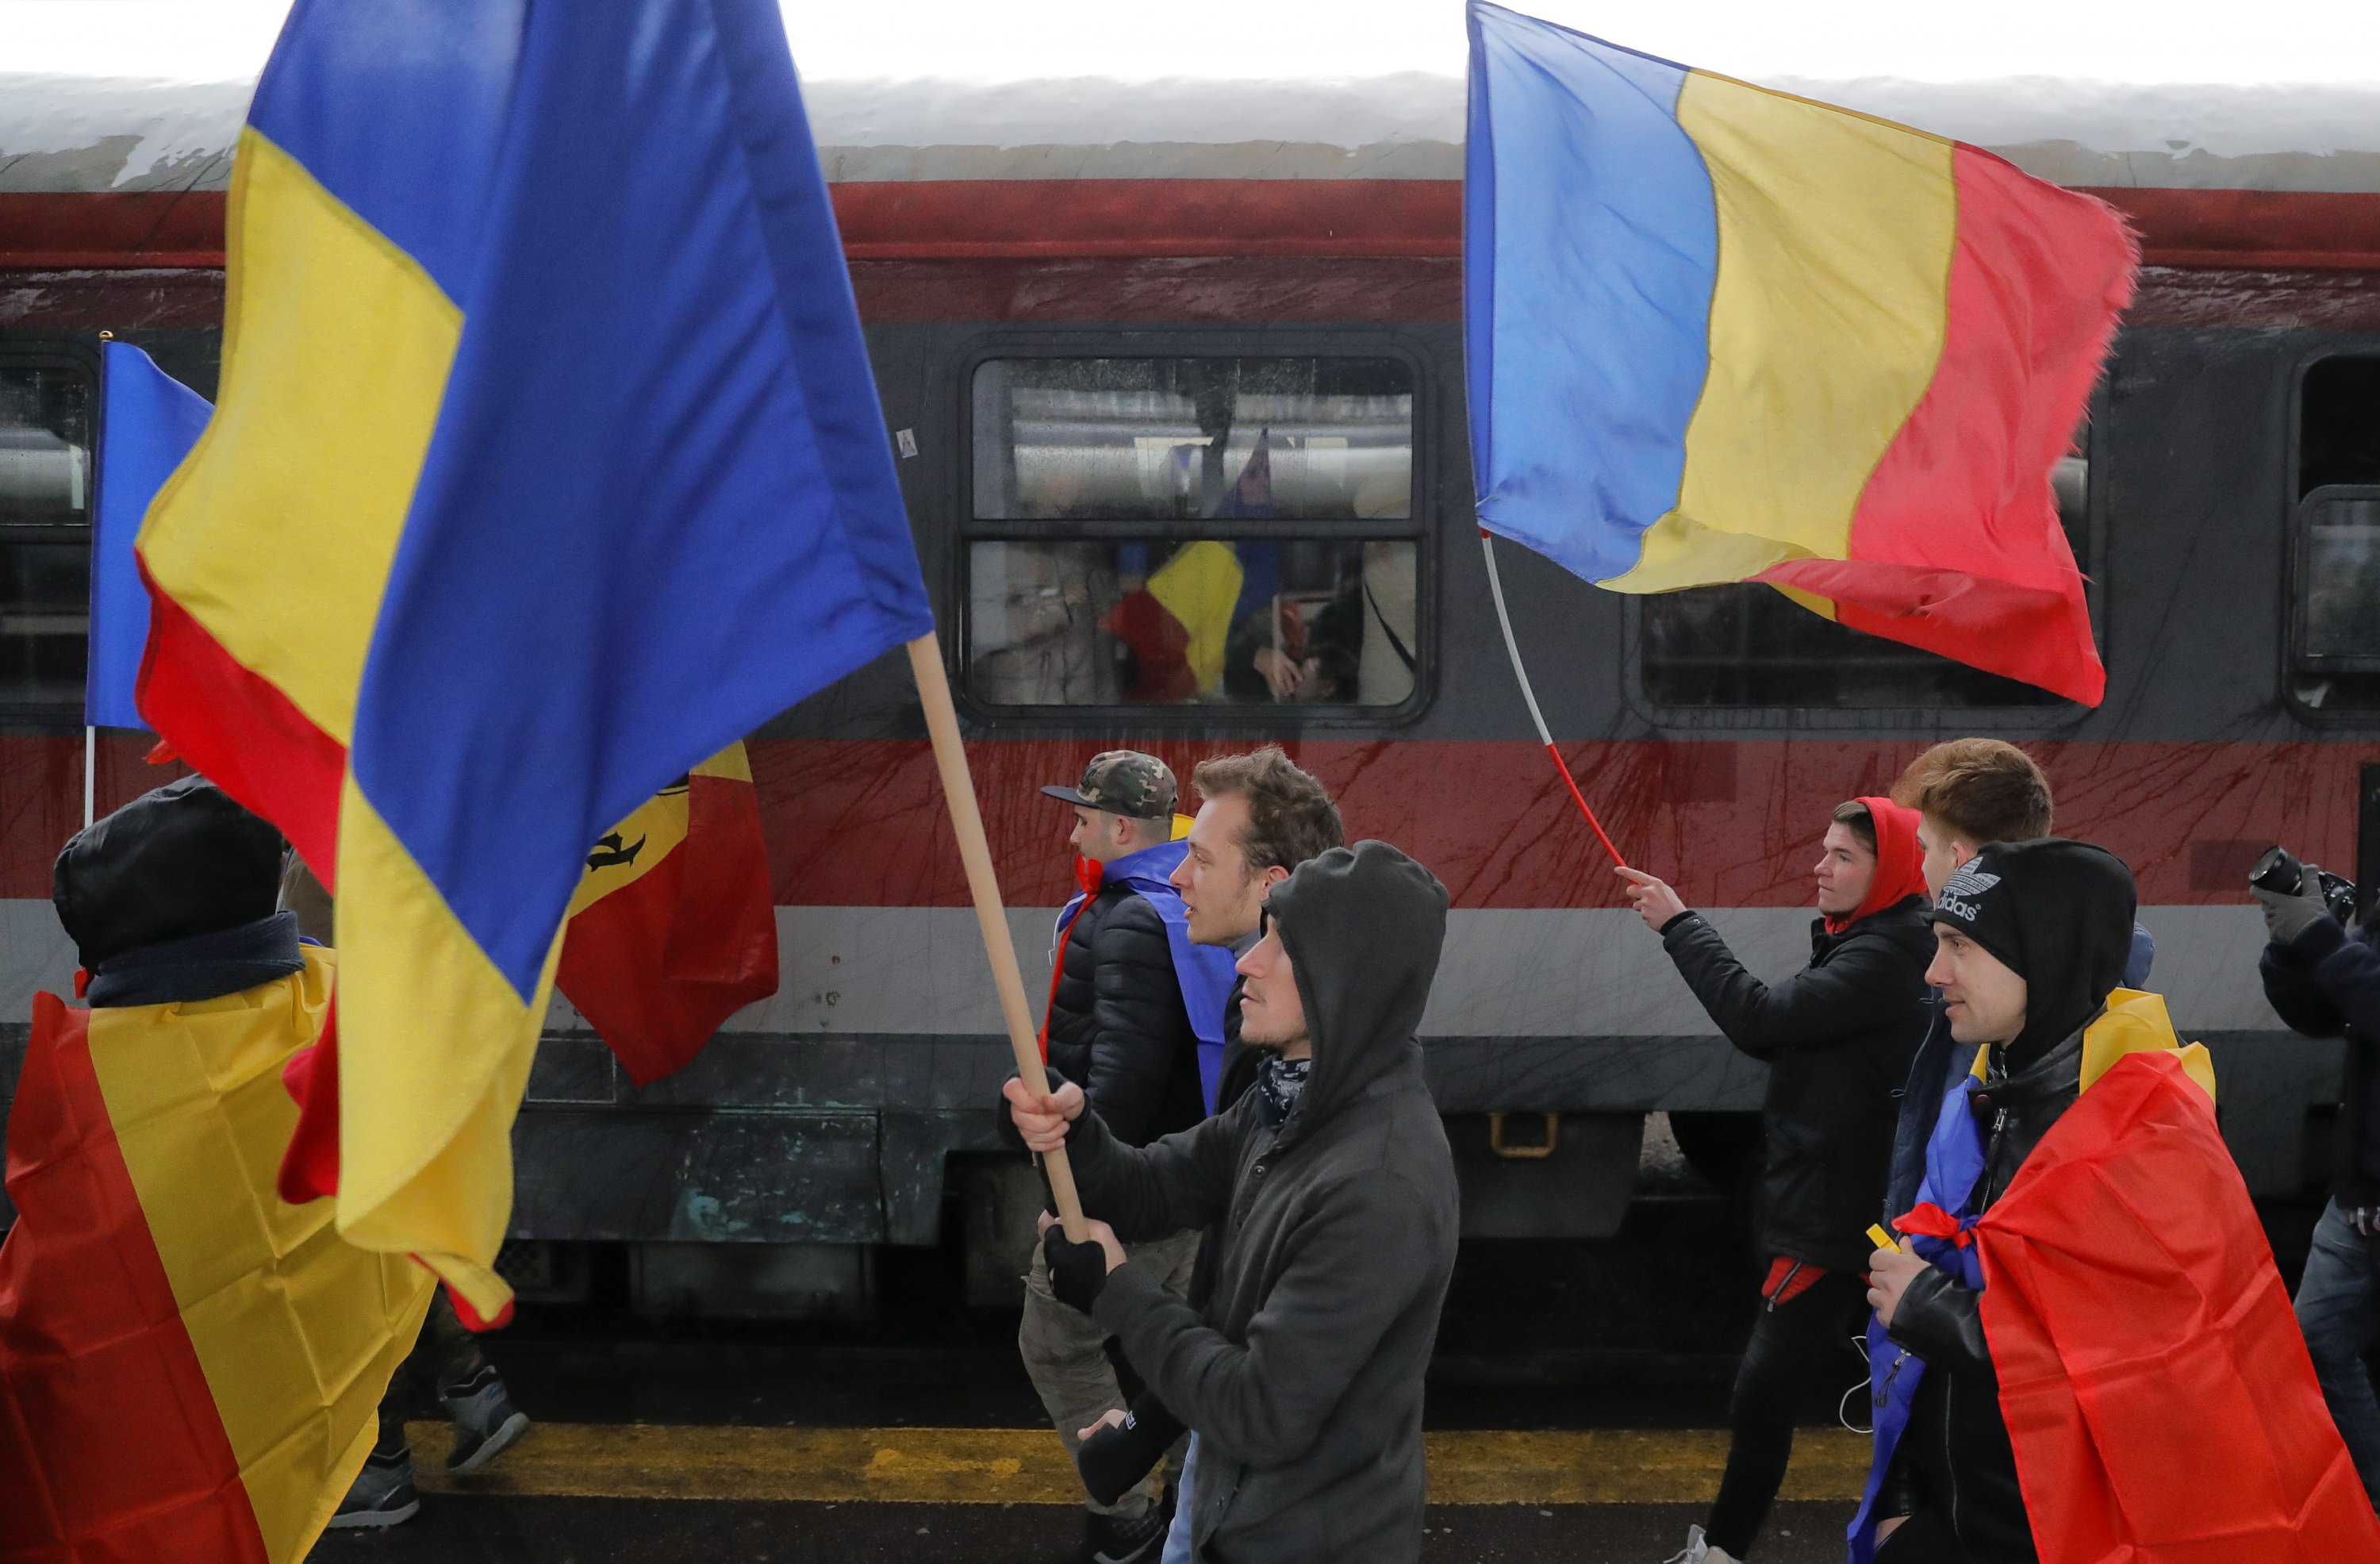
point(1699, 1551)
point(486, 1421)
point(1136, 1539)
point(383, 1494)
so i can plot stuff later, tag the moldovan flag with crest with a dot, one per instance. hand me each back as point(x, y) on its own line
point(673, 929)
point(1715, 332)
point(547, 463)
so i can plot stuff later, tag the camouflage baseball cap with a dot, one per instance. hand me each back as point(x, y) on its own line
point(1125, 782)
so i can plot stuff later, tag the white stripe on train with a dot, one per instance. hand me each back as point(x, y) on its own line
point(1520, 972)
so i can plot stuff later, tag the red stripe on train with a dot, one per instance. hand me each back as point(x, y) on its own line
point(1735, 823)
point(1031, 219)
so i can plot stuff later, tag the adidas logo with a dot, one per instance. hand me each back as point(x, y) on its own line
point(1959, 894)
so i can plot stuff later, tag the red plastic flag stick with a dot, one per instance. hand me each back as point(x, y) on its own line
point(1513, 647)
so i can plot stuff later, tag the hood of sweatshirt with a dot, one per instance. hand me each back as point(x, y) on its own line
point(1363, 927)
point(1899, 864)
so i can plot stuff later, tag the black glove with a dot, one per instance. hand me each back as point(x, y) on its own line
point(2287, 916)
point(1113, 1459)
point(1078, 1270)
point(1004, 1123)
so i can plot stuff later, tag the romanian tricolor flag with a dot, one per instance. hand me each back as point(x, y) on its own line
point(1179, 624)
point(547, 463)
point(189, 1369)
point(673, 928)
point(1720, 334)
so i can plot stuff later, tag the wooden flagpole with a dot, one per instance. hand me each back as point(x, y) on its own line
point(974, 852)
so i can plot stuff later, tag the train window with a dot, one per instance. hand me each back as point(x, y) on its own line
point(1193, 532)
point(1178, 439)
point(2339, 543)
point(47, 408)
point(1191, 620)
point(1750, 646)
point(2335, 601)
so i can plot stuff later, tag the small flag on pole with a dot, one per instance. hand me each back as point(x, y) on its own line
point(1719, 334)
point(150, 421)
point(548, 463)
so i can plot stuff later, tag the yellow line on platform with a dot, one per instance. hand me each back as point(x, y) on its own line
point(1028, 1466)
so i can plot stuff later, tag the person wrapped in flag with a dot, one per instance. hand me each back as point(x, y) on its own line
point(189, 1367)
point(2082, 1351)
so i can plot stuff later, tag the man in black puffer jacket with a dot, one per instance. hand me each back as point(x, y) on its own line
point(1130, 1000)
point(1837, 1038)
point(1303, 1375)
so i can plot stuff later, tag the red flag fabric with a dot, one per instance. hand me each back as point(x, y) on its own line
point(673, 928)
point(2156, 1387)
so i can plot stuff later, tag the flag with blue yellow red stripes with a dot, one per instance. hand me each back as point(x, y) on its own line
point(547, 462)
point(1715, 332)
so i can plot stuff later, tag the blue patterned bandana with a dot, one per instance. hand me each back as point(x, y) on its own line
point(1279, 1081)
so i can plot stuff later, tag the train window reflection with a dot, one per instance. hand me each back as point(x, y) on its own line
point(45, 496)
point(1750, 646)
point(1180, 438)
point(44, 443)
point(1256, 621)
point(2335, 604)
point(2337, 628)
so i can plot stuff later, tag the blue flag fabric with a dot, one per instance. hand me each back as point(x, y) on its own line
point(549, 464)
point(1954, 1161)
point(1205, 971)
point(149, 424)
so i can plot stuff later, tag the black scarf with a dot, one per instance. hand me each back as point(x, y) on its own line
point(204, 966)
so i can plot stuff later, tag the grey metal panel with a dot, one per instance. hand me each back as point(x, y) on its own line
point(2264, 1084)
point(719, 1177)
point(1580, 1190)
point(913, 1152)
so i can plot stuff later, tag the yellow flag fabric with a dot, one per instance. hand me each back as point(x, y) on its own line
point(1200, 586)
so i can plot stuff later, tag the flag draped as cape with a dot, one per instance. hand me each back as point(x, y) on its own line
point(2155, 1386)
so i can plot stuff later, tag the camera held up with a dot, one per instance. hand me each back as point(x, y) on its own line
point(2279, 872)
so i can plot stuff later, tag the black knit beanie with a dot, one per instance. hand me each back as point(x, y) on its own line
point(2056, 913)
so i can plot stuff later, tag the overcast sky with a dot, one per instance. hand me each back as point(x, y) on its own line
point(2183, 41)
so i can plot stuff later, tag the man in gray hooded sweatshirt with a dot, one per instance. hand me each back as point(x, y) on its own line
point(1332, 1181)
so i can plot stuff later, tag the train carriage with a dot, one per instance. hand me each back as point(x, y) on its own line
point(1177, 404)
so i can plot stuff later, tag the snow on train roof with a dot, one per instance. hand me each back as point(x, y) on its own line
point(905, 90)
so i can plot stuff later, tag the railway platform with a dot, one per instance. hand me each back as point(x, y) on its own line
point(593, 1494)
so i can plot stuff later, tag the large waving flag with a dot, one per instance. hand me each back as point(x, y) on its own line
point(546, 464)
point(189, 1369)
point(673, 928)
point(152, 421)
point(1720, 334)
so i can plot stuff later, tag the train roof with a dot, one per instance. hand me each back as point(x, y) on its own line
point(63, 133)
